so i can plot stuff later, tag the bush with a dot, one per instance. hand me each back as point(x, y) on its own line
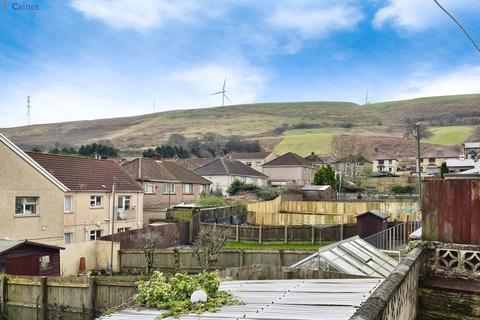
point(401, 189)
point(268, 193)
point(238, 186)
point(175, 296)
point(211, 201)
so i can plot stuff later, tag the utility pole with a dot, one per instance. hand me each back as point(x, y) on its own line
point(153, 106)
point(28, 110)
point(418, 137)
point(113, 226)
point(366, 97)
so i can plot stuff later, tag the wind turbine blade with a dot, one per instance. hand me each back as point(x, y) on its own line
point(224, 82)
point(216, 93)
point(227, 98)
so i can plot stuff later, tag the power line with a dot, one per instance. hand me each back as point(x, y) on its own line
point(458, 23)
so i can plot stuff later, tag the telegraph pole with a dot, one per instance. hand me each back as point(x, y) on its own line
point(419, 164)
point(113, 227)
point(28, 110)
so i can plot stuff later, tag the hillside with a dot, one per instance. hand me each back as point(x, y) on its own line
point(301, 126)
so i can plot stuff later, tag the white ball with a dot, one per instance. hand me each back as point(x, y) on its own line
point(198, 296)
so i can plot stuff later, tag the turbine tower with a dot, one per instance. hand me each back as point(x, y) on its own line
point(28, 110)
point(223, 93)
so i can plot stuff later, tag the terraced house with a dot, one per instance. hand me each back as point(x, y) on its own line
point(59, 199)
point(165, 184)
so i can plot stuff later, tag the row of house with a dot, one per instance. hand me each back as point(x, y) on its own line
point(63, 199)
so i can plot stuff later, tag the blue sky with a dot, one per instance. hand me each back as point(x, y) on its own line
point(87, 59)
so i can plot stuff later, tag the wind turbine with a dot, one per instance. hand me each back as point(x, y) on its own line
point(223, 93)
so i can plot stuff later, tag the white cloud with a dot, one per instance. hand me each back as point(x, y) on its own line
point(464, 80)
point(315, 20)
point(417, 15)
point(139, 15)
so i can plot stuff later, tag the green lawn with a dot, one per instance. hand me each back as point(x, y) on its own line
point(449, 136)
point(304, 142)
point(275, 245)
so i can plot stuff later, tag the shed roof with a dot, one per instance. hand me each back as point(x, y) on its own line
point(471, 145)
point(316, 188)
point(462, 163)
point(9, 245)
point(318, 299)
point(86, 174)
point(224, 167)
point(352, 256)
point(288, 159)
point(374, 212)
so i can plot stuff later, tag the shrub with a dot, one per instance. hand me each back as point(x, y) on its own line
point(401, 189)
point(175, 296)
point(211, 201)
point(238, 186)
point(268, 193)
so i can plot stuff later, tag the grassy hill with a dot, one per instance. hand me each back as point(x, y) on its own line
point(301, 126)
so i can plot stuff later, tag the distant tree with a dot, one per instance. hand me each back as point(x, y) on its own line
point(237, 144)
point(326, 176)
point(54, 151)
point(148, 153)
point(208, 244)
point(349, 154)
point(94, 149)
point(443, 169)
point(177, 140)
point(36, 149)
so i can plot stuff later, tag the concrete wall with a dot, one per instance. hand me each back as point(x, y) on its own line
point(96, 254)
point(84, 219)
point(18, 178)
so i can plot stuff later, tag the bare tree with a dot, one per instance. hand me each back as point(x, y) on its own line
point(350, 154)
point(209, 243)
point(147, 242)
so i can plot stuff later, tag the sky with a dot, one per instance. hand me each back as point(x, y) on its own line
point(89, 59)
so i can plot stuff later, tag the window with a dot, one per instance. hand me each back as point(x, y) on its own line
point(149, 187)
point(248, 163)
point(45, 263)
point(122, 229)
point(243, 179)
point(188, 188)
point(380, 162)
point(95, 234)
point(390, 161)
point(258, 163)
point(68, 238)
point(68, 204)
point(95, 201)
point(124, 202)
point(431, 160)
point(169, 188)
point(203, 188)
point(26, 205)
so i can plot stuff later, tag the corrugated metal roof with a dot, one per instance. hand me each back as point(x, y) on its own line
point(318, 299)
point(315, 188)
point(472, 145)
point(460, 163)
point(353, 256)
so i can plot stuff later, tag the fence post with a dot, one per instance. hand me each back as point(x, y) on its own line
point(286, 234)
point(241, 257)
point(44, 291)
point(313, 234)
point(260, 234)
point(236, 233)
point(4, 288)
point(92, 297)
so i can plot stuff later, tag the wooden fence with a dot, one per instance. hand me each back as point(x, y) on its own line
point(285, 233)
point(183, 260)
point(279, 213)
point(45, 298)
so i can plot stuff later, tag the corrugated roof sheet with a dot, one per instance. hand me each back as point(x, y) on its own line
point(82, 174)
point(318, 299)
point(460, 163)
point(353, 256)
point(316, 188)
point(289, 159)
point(221, 167)
point(472, 145)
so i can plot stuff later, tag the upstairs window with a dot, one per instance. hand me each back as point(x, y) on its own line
point(26, 205)
point(95, 234)
point(68, 238)
point(169, 188)
point(188, 188)
point(124, 202)
point(95, 201)
point(149, 188)
point(68, 204)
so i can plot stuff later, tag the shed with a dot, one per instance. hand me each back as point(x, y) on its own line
point(371, 222)
point(324, 192)
point(27, 258)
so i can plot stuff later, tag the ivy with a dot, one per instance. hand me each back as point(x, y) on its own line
point(175, 295)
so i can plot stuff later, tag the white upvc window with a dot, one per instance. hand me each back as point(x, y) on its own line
point(95, 201)
point(124, 202)
point(188, 188)
point(149, 187)
point(68, 238)
point(95, 234)
point(122, 229)
point(203, 188)
point(169, 188)
point(26, 205)
point(243, 179)
point(68, 204)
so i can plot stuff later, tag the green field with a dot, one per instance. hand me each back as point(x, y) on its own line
point(275, 245)
point(306, 141)
point(449, 136)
